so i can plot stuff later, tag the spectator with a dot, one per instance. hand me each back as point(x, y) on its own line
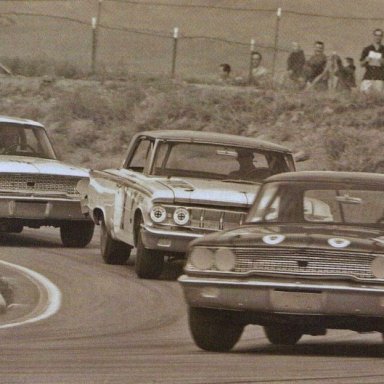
point(225, 71)
point(345, 74)
point(258, 72)
point(295, 63)
point(315, 69)
point(372, 59)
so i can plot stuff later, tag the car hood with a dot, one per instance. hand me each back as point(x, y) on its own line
point(201, 191)
point(343, 238)
point(33, 165)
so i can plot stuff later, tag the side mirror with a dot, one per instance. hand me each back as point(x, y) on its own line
point(301, 156)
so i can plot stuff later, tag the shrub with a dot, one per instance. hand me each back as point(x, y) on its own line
point(354, 149)
point(35, 67)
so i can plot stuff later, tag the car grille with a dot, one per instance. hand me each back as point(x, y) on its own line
point(38, 183)
point(304, 262)
point(209, 219)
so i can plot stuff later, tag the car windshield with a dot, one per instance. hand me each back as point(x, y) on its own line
point(308, 203)
point(25, 140)
point(218, 161)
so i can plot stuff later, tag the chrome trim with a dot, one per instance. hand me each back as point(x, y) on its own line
point(284, 261)
point(39, 184)
point(200, 217)
point(39, 197)
point(195, 281)
point(161, 232)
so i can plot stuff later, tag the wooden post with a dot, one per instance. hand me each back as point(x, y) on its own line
point(276, 43)
point(250, 61)
point(174, 52)
point(94, 45)
point(95, 29)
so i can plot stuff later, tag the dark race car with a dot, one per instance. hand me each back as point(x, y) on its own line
point(310, 256)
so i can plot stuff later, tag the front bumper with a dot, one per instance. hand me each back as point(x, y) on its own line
point(40, 209)
point(283, 297)
point(166, 240)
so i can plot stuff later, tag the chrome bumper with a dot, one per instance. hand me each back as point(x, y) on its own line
point(283, 297)
point(166, 240)
point(30, 208)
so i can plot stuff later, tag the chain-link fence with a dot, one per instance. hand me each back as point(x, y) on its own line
point(139, 36)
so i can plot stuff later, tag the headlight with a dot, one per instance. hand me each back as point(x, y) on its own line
point(158, 214)
point(225, 260)
point(377, 267)
point(181, 216)
point(202, 258)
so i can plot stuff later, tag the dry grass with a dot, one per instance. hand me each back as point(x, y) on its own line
point(92, 121)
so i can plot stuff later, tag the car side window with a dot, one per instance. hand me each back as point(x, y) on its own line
point(279, 163)
point(30, 142)
point(140, 156)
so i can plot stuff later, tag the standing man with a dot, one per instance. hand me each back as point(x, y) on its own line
point(295, 63)
point(372, 59)
point(259, 74)
point(315, 69)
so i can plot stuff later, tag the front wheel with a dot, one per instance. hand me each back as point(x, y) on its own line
point(149, 263)
point(214, 330)
point(282, 335)
point(113, 251)
point(77, 233)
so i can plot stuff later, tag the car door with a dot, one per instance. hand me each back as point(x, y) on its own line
point(127, 196)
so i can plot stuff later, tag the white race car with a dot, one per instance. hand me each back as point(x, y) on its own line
point(36, 189)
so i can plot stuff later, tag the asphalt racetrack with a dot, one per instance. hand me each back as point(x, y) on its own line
point(111, 327)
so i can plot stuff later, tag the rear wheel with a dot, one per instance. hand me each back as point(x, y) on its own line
point(282, 334)
point(77, 234)
point(214, 330)
point(113, 251)
point(149, 263)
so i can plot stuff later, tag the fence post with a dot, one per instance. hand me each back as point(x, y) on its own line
point(94, 45)
point(174, 52)
point(276, 43)
point(95, 25)
point(250, 61)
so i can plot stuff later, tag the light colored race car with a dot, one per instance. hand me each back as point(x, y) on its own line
point(176, 186)
point(36, 189)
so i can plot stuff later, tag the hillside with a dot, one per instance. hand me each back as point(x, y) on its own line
point(92, 121)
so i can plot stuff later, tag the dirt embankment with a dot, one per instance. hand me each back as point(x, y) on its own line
point(91, 121)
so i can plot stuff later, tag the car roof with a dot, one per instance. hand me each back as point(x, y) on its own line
point(18, 121)
point(329, 177)
point(214, 137)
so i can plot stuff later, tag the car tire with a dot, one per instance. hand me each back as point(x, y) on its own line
point(282, 334)
point(214, 330)
point(113, 252)
point(149, 263)
point(77, 234)
point(15, 228)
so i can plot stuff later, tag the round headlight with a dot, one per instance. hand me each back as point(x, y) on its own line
point(225, 260)
point(158, 214)
point(377, 267)
point(181, 216)
point(202, 258)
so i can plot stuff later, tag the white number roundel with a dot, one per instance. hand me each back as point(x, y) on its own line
point(337, 242)
point(273, 239)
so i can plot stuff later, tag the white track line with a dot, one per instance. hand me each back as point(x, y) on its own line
point(53, 293)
